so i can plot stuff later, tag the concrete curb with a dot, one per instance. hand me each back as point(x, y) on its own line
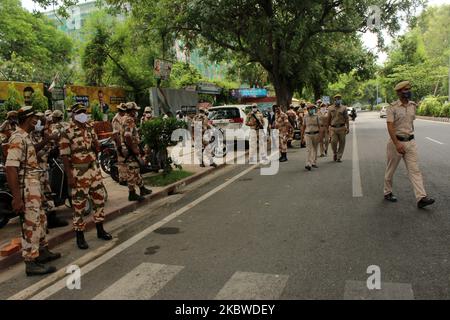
point(436, 119)
point(68, 234)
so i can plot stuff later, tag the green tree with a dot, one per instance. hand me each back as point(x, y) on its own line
point(39, 101)
point(282, 36)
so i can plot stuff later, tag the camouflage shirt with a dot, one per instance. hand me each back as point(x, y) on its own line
point(282, 122)
point(78, 143)
point(203, 119)
point(20, 142)
point(129, 129)
point(251, 121)
point(42, 155)
point(117, 123)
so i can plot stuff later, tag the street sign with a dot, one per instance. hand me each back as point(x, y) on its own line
point(162, 69)
point(249, 93)
point(208, 88)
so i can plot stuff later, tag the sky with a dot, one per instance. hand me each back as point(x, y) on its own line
point(370, 40)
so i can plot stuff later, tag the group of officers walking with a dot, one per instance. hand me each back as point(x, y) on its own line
point(30, 137)
point(320, 124)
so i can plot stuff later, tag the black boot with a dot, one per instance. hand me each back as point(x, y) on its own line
point(132, 196)
point(101, 233)
point(54, 222)
point(81, 243)
point(33, 268)
point(283, 157)
point(144, 191)
point(46, 255)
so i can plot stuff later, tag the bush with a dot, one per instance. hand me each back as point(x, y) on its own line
point(13, 102)
point(39, 101)
point(430, 106)
point(96, 113)
point(157, 135)
point(445, 112)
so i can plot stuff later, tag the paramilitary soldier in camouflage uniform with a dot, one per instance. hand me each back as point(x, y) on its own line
point(130, 149)
point(255, 120)
point(78, 148)
point(8, 126)
point(201, 121)
point(44, 142)
point(117, 128)
point(284, 126)
point(292, 116)
point(23, 174)
point(339, 127)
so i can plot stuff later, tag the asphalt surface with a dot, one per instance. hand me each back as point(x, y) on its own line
point(293, 235)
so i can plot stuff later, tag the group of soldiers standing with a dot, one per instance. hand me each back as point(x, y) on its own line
point(31, 137)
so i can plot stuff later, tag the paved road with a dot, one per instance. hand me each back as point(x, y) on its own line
point(294, 235)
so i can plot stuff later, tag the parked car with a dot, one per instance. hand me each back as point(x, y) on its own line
point(232, 117)
point(383, 112)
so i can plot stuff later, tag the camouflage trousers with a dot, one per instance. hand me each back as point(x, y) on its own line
point(47, 201)
point(204, 153)
point(284, 135)
point(122, 168)
point(88, 185)
point(34, 222)
point(133, 175)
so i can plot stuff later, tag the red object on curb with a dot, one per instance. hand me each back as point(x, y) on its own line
point(10, 249)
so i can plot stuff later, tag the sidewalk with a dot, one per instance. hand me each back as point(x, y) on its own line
point(116, 205)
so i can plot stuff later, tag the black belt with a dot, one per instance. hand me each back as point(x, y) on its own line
point(315, 132)
point(339, 126)
point(405, 139)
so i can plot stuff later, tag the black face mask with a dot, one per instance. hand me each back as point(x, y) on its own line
point(14, 121)
point(407, 95)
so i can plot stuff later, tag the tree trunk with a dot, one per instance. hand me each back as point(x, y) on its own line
point(283, 91)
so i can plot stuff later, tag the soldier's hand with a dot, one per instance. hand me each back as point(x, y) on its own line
point(18, 205)
point(400, 148)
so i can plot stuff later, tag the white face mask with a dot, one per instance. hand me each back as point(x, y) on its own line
point(81, 117)
point(38, 127)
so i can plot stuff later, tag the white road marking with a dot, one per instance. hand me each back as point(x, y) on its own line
point(357, 290)
point(61, 284)
point(438, 142)
point(253, 286)
point(356, 176)
point(142, 283)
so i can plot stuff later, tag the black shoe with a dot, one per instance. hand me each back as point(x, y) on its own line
point(101, 233)
point(33, 268)
point(339, 160)
point(46, 255)
point(54, 222)
point(283, 157)
point(144, 191)
point(335, 157)
point(425, 202)
point(132, 196)
point(315, 167)
point(213, 165)
point(202, 165)
point(81, 243)
point(322, 155)
point(308, 168)
point(390, 197)
point(123, 183)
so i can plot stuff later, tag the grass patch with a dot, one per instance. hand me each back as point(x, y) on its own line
point(161, 180)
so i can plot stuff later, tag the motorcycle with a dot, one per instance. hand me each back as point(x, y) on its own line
point(107, 155)
point(6, 212)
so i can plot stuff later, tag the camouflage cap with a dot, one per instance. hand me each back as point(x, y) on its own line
point(48, 113)
point(77, 107)
point(122, 107)
point(11, 114)
point(57, 114)
point(148, 109)
point(311, 105)
point(337, 96)
point(28, 111)
point(403, 85)
point(132, 106)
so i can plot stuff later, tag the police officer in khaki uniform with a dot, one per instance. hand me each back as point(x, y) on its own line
point(323, 120)
point(339, 127)
point(24, 174)
point(312, 135)
point(400, 117)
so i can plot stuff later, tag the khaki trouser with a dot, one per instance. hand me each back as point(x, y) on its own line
point(312, 144)
point(338, 136)
point(324, 141)
point(257, 137)
point(412, 166)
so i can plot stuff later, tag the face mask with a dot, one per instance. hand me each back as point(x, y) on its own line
point(14, 121)
point(255, 109)
point(69, 114)
point(81, 117)
point(38, 127)
point(311, 112)
point(323, 109)
point(338, 102)
point(407, 95)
